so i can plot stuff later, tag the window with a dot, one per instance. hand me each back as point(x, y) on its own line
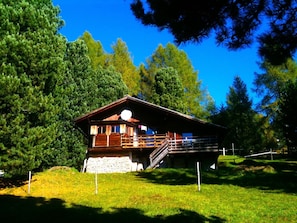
point(101, 129)
point(115, 129)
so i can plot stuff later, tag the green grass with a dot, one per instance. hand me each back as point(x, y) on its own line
point(240, 191)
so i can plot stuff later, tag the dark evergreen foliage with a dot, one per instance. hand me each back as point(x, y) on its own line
point(247, 130)
point(168, 90)
point(83, 89)
point(196, 99)
point(45, 83)
point(31, 63)
point(236, 24)
point(286, 115)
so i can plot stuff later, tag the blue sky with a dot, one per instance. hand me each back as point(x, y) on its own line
point(108, 20)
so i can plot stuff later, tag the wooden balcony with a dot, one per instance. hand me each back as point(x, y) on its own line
point(194, 144)
point(188, 144)
point(143, 141)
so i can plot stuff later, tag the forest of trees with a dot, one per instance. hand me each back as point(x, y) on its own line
point(46, 82)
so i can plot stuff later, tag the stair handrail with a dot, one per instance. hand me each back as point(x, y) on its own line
point(158, 154)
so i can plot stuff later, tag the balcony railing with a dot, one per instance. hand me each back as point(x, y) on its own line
point(143, 141)
point(155, 141)
point(193, 143)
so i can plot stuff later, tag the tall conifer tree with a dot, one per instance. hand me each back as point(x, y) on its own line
point(286, 115)
point(74, 98)
point(168, 90)
point(95, 51)
point(247, 130)
point(195, 98)
point(31, 63)
point(83, 89)
point(271, 82)
point(122, 61)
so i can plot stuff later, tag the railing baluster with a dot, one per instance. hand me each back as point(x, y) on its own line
point(154, 141)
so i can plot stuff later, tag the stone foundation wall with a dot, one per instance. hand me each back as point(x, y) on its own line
point(111, 165)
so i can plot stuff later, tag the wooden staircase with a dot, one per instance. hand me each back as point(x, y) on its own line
point(159, 154)
point(190, 145)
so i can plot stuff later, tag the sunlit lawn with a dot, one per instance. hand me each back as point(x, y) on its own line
point(246, 191)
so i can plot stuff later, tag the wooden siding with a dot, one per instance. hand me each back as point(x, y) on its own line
point(100, 140)
point(115, 139)
point(103, 140)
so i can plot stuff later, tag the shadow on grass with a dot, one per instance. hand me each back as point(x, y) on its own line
point(275, 176)
point(265, 175)
point(38, 209)
point(170, 176)
point(9, 183)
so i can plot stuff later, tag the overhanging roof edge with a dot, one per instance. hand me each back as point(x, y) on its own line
point(137, 100)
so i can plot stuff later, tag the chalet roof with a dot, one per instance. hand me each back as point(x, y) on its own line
point(149, 114)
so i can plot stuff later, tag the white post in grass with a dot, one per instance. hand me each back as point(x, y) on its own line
point(233, 149)
point(198, 176)
point(96, 183)
point(29, 183)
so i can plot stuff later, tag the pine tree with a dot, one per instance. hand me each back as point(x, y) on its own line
point(239, 108)
point(286, 118)
point(31, 58)
point(83, 89)
point(196, 100)
point(168, 90)
point(110, 86)
point(95, 51)
point(248, 130)
point(269, 84)
point(235, 24)
point(74, 98)
point(122, 62)
point(146, 83)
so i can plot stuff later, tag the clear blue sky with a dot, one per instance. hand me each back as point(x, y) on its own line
point(108, 20)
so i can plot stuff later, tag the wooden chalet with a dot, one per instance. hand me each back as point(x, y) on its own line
point(131, 134)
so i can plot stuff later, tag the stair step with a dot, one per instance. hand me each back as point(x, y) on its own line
point(158, 154)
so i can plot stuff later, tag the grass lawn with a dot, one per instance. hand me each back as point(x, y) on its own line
point(240, 191)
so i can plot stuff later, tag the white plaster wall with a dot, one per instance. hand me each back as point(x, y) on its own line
point(109, 165)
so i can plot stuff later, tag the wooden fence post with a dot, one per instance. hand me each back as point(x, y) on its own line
point(198, 176)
